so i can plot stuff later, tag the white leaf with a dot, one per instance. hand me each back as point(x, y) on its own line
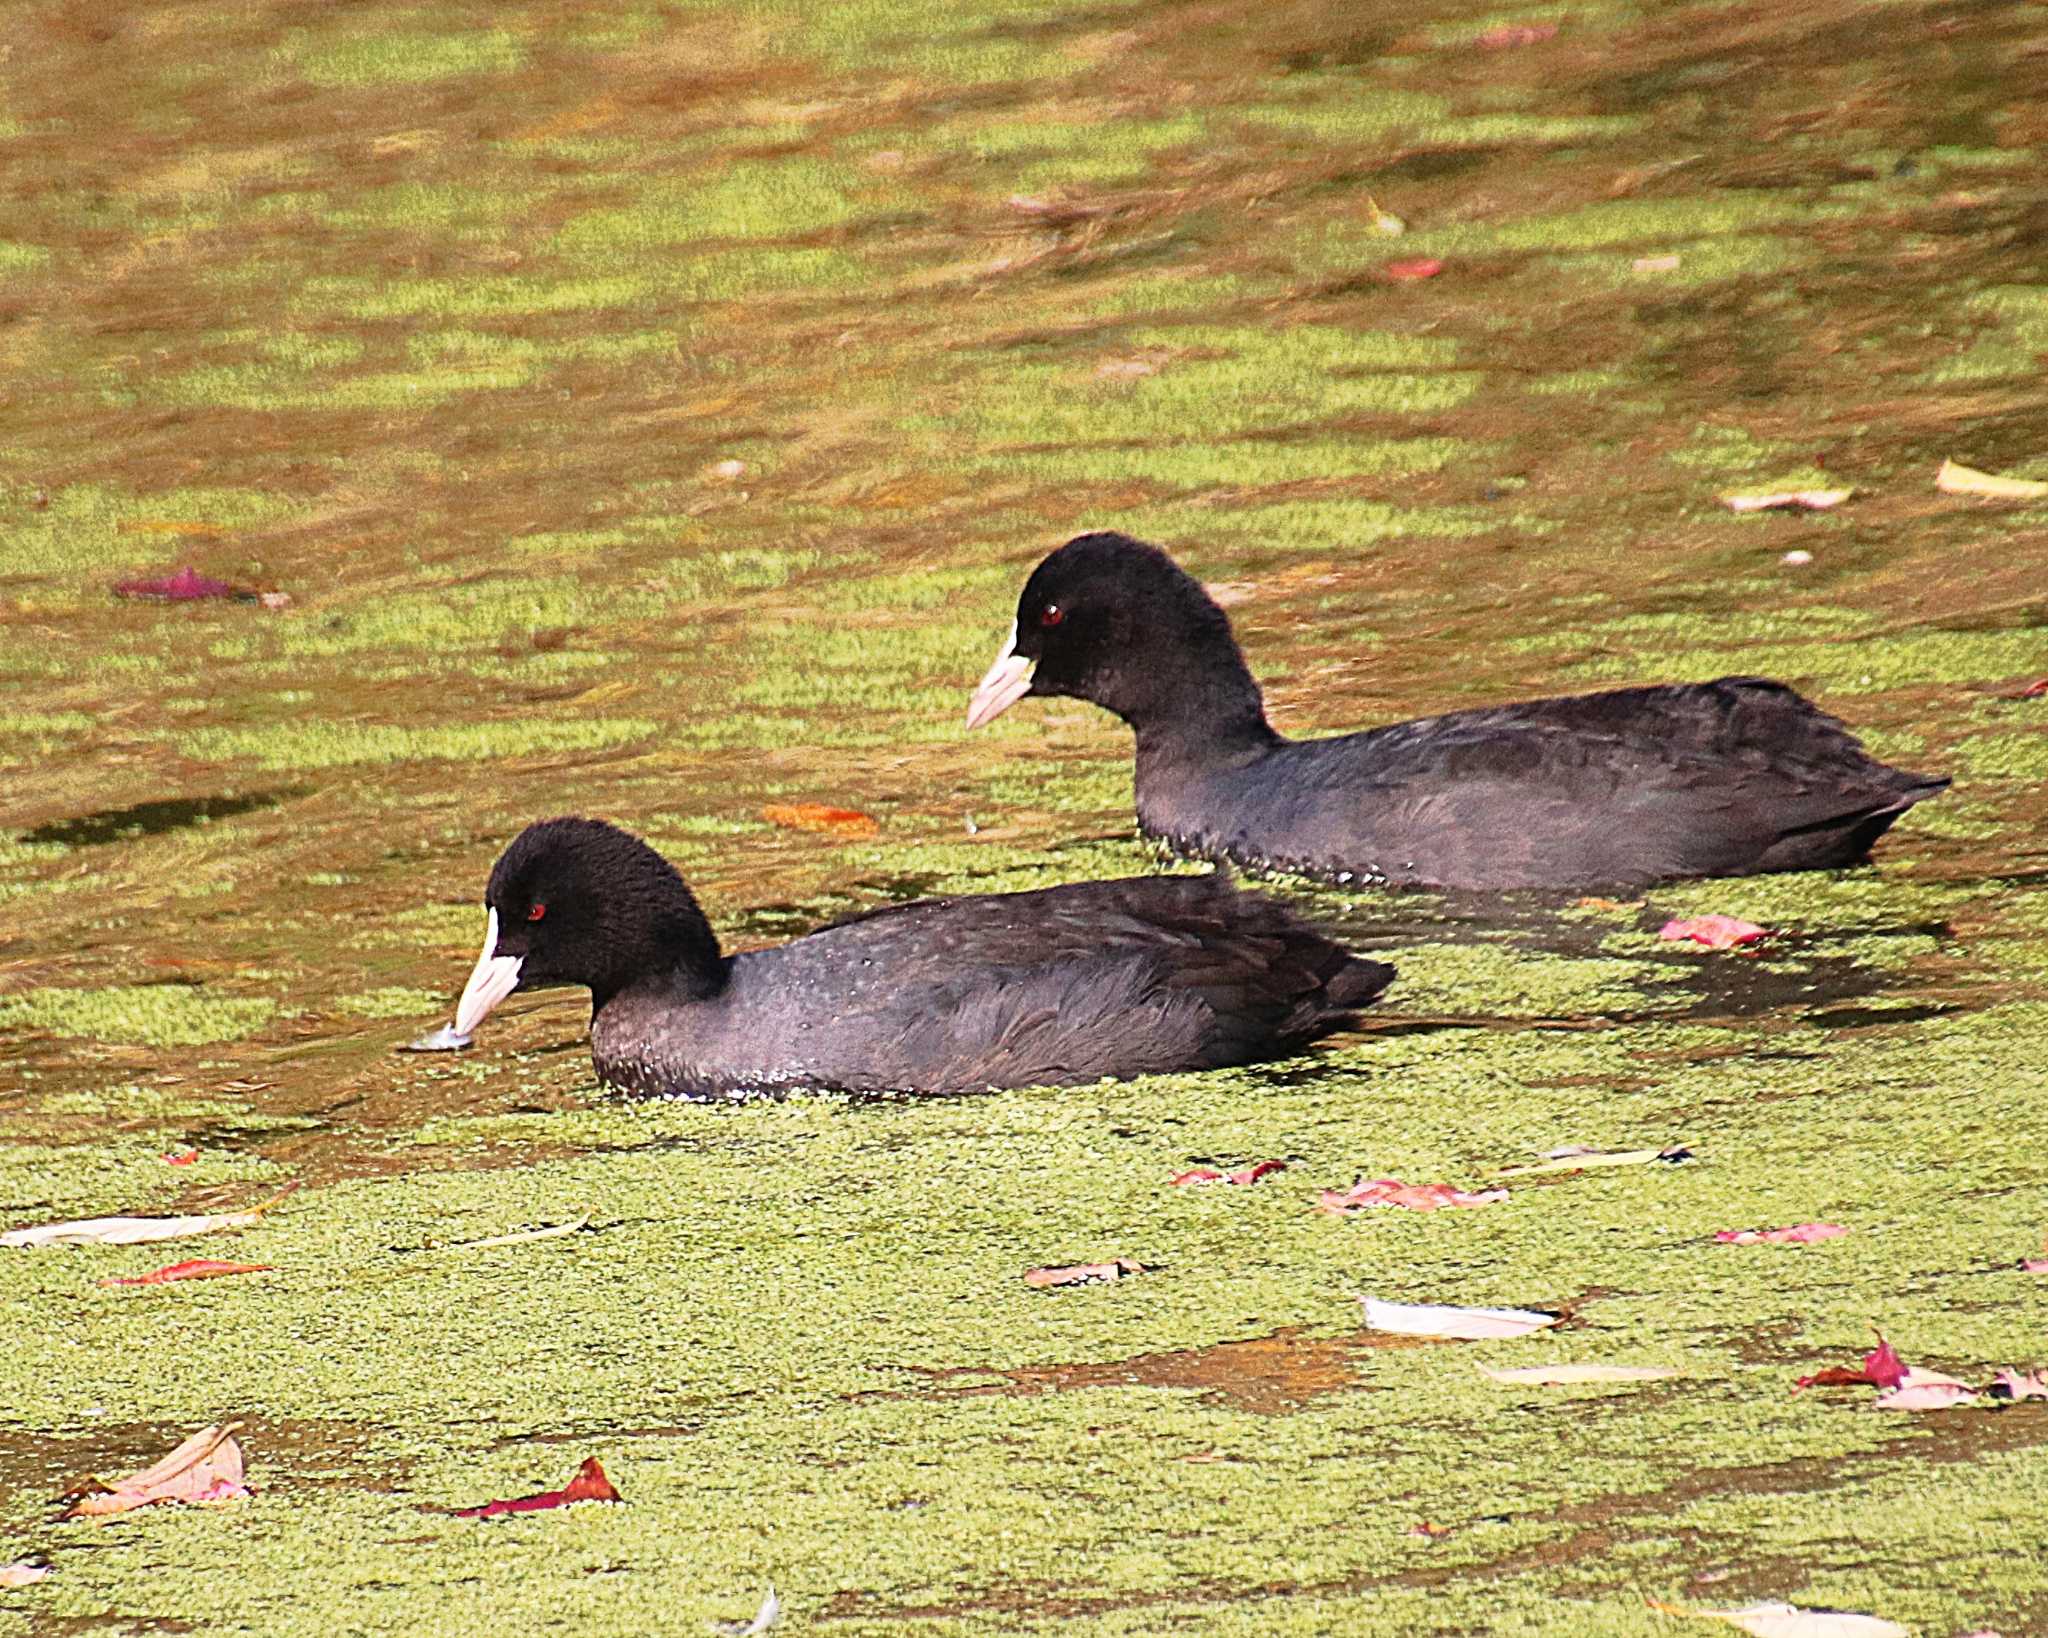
point(1775, 1620)
point(1467, 1324)
point(1813, 500)
point(764, 1618)
point(130, 1231)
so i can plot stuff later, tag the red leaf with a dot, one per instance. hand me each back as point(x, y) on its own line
point(1715, 932)
point(817, 816)
point(1243, 1175)
point(1881, 1368)
point(200, 1268)
point(1388, 1191)
point(180, 1157)
point(1506, 36)
point(1083, 1273)
point(2034, 690)
point(1799, 1234)
point(1422, 267)
point(188, 585)
point(590, 1484)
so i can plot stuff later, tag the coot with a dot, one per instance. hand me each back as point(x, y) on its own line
point(1056, 987)
point(1617, 789)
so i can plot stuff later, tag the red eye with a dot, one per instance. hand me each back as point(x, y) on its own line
point(536, 912)
point(1051, 615)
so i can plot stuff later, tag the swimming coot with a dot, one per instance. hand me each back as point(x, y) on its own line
point(1618, 789)
point(1057, 987)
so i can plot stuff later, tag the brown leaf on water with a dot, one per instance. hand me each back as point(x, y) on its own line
point(206, 1468)
point(1082, 1274)
point(588, 1484)
point(818, 817)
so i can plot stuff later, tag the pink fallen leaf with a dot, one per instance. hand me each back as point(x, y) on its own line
point(1389, 1191)
point(1811, 500)
point(1242, 1176)
point(1574, 1157)
point(1655, 264)
point(1925, 1390)
point(200, 1268)
point(179, 1157)
point(589, 1484)
point(1083, 1273)
point(1715, 932)
point(1799, 1234)
point(1775, 1620)
point(188, 585)
point(22, 1574)
point(206, 1468)
point(1508, 36)
point(128, 1231)
point(2036, 1265)
point(2034, 690)
point(2013, 1385)
point(1420, 267)
point(1426, 1319)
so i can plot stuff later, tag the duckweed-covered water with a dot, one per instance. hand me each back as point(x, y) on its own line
point(651, 410)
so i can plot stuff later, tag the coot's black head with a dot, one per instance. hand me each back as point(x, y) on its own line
point(578, 901)
point(1116, 622)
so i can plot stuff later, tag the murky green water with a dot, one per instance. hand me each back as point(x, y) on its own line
point(652, 411)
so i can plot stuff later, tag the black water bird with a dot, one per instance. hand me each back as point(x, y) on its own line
point(1618, 789)
point(1056, 987)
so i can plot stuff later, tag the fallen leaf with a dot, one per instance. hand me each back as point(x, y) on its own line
point(1242, 1176)
point(1812, 500)
point(128, 1231)
point(1925, 1390)
point(445, 1039)
point(1655, 264)
point(198, 1269)
point(1383, 221)
point(818, 817)
point(1799, 1234)
point(2034, 690)
point(1083, 1273)
point(1881, 1368)
point(1428, 1530)
point(1715, 932)
point(726, 471)
point(1797, 558)
point(1388, 1191)
point(188, 585)
point(765, 1617)
point(22, 1574)
point(1574, 1157)
point(1421, 267)
point(1563, 1375)
point(1956, 479)
point(180, 1157)
point(520, 1237)
point(1464, 1324)
point(1507, 36)
point(206, 1468)
point(1775, 1620)
point(2012, 1385)
point(589, 1484)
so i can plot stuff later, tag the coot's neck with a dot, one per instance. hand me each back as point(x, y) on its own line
point(1202, 714)
point(667, 945)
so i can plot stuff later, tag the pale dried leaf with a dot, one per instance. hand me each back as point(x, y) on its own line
point(206, 1468)
point(1812, 500)
point(765, 1617)
point(1463, 1324)
point(1957, 479)
point(22, 1574)
point(1573, 1158)
point(1775, 1620)
point(556, 1232)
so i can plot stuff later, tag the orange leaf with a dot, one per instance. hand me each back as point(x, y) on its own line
point(817, 816)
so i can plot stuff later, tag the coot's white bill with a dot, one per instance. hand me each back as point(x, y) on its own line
point(1007, 682)
point(493, 978)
